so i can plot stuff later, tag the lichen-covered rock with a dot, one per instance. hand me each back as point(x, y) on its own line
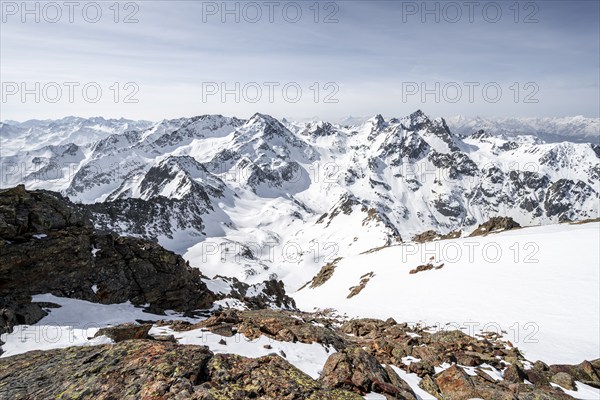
point(127, 370)
point(355, 369)
point(142, 369)
point(514, 374)
point(123, 332)
point(563, 380)
point(270, 377)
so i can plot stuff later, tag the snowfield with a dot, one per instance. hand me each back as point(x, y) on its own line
point(540, 285)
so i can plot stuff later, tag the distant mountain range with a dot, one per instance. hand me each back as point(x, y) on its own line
point(248, 186)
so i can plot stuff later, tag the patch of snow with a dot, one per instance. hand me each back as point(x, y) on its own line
point(218, 286)
point(309, 358)
point(413, 381)
point(409, 360)
point(583, 392)
point(73, 324)
point(374, 396)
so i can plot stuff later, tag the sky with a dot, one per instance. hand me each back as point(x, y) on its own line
point(328, 59)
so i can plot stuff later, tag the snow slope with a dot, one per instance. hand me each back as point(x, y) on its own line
point(538, 284)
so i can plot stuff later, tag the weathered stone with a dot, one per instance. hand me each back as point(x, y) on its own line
point(145, 369)
point(354, 369)
point(540, 366)
point(123, 332)
point(455, 384)
point(564, 380)
point(271, 377)
point(514, 374)
point(537, 377)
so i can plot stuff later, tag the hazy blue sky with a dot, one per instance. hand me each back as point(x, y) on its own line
point(376, 58)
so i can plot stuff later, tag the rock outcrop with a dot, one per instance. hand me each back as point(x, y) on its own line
point(495, 224)
point(47, 245)
point(365, 357)
point(145, 369)
point(366, 348)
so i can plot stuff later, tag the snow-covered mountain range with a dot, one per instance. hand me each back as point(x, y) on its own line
point(262, 198)
point(574, 129)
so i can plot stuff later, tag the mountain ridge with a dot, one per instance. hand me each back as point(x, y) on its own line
point(216, 180)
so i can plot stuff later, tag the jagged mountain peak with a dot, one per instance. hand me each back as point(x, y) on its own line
point(418, 115)
point(264, 125)
point(183, 162)
point(377, 123)
point(319, 129)
point(176, 177)
point(263, 119)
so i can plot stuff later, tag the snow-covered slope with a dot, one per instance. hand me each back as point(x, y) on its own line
point(34, 134)
point(539, 284)
point(262, 198)
point(576, 129)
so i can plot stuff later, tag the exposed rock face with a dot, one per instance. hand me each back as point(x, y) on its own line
point(270, 377)
point(564, 380)
point(267, 294)
point(431, 235)
point(324, 274)
point(495, 224)
point(355, 369)
point(513, 373)
point(155, 370)
point(587, 372)
point(48, 246)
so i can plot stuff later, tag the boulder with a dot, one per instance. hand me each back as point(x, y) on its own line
point(564, 380)
point(514, 374)
point(123, 332)
point(455, 384)
point(356, 370)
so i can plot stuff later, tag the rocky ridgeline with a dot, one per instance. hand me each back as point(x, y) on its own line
point(493, 225)
point(365, 346)
point(485, 367)
point(48, 245)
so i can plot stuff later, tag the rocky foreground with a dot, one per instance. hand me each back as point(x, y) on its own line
point(451, 365)
point(48, 245)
